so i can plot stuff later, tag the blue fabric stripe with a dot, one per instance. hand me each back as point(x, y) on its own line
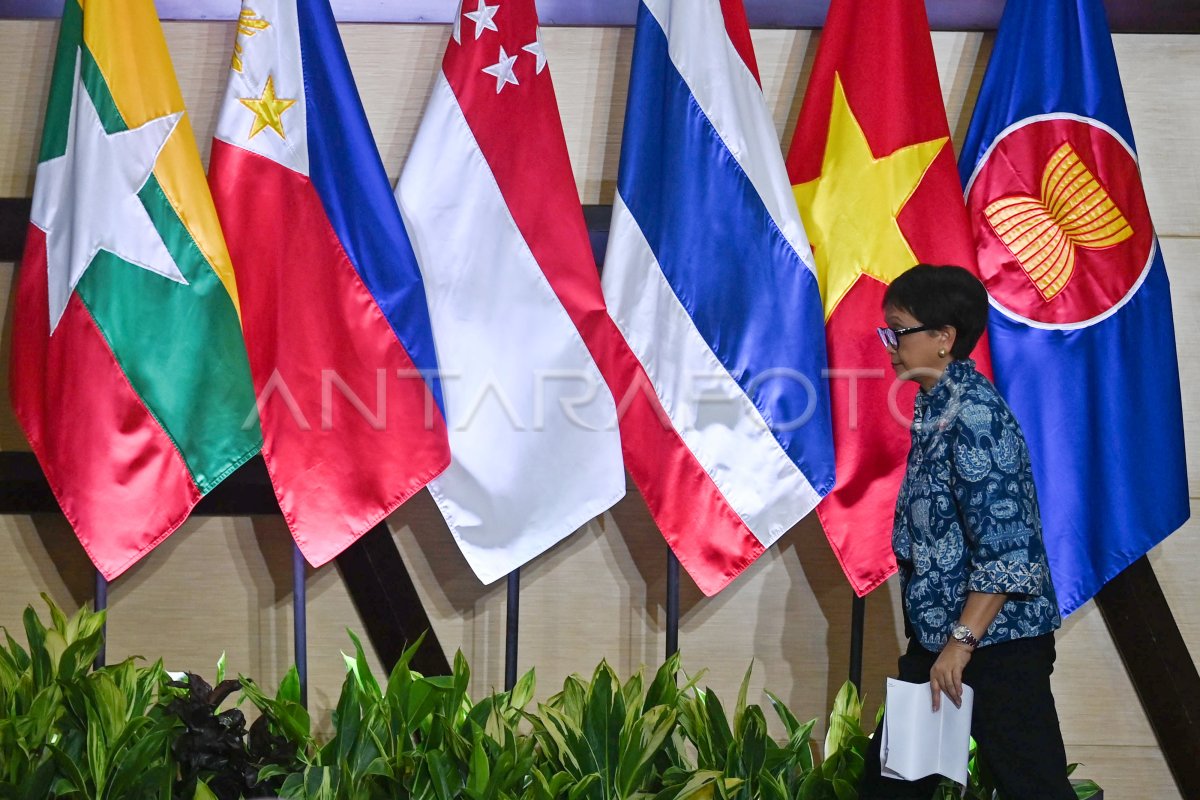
point(1100, 406)
point(1060, 53)
point(345, 167)
point(744, 286)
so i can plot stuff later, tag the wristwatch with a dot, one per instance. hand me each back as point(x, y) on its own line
point(961, 633)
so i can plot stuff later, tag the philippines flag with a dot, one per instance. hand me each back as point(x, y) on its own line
point(333, 305)
point(1083, 344)
point(518, 316)
point(710, 277)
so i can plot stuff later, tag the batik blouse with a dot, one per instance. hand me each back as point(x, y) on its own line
point(967, 515)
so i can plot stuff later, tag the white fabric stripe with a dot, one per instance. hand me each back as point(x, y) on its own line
point(731, 98)
point(270, 47)
point(718, 422)
point(530, 461)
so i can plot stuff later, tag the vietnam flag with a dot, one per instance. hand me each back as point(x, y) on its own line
point(128, 372)
point(336, 323)
point(874, 175)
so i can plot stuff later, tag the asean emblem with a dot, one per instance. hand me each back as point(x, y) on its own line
point(1061, 220)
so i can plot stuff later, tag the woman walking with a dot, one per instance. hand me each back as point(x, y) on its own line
point(979, 605)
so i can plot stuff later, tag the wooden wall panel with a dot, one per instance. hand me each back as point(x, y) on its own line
point(224, 583)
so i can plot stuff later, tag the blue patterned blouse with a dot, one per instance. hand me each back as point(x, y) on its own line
point(967, 516)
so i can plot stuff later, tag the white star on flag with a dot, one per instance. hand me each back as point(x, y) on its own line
point(482, 17)
point(503, 70)
point(535, 47)
point(86, 200)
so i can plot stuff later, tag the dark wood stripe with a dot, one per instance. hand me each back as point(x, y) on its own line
point(1158, 662)
point(375, 575)
point(14, 220)
point(388, 603)
point(1125, 16)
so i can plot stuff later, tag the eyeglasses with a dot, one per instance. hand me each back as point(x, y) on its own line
point(891, 336)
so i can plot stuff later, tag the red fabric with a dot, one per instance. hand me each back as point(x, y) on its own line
point(884, 57)
point(315, 336)
point(117, 476)
point(738, 29)
point(520, 134)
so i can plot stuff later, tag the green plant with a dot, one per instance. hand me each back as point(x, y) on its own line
point(739, 759)
point(31, 695)
point(837, 775)
point(114, 739)
point(128, 731)
point(600, 739)
point(68, 731)
point(415, 737)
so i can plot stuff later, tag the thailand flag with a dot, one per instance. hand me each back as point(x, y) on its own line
point(518, 315)
point(710, 278)
point(333, 306)
point(1083, 344)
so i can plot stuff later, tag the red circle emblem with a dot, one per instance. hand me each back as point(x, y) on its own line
point(1061, 220)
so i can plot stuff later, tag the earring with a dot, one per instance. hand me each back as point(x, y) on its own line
point(942, 353)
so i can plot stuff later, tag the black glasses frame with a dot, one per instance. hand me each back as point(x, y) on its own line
point(891, 336)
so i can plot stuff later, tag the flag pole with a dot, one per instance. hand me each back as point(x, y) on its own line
point(511, 629)
point(100, 603)
point(858, 613)
point(672, 603)
point(300, 620)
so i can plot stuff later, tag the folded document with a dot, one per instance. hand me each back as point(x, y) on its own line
point(917, 741)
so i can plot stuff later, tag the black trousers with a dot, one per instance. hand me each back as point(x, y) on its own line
point(1014, 723)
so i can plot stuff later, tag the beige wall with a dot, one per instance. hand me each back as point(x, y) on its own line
point(224, 584)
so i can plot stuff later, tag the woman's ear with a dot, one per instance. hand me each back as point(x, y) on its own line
point(951, 334)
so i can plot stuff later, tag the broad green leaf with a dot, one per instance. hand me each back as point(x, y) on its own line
point(57, 617)
point(522, 693)
point(289, 687)
point(444, 777)
point(362, 670)
point(641, 742)
point(845, 716)
point(740, 708)
point(479, 773)
point(718, 725)
point(69, 770)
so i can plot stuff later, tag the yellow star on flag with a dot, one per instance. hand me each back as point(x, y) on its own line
point(850, 209)
point(267, 110)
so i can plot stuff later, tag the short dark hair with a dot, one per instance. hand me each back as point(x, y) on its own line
point(941, 296)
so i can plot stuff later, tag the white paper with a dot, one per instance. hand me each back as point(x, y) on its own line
point(918, 742)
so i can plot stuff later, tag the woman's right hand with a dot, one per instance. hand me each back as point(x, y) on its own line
point(946, 673)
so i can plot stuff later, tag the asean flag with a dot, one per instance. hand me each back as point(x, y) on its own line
point(873, 172)
point(1082, 337)
point(333, 305)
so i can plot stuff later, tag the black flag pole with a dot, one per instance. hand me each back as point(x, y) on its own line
point(858, 613)
point(672, 603)
point(100, 603)
point(511, 629)
point(300, 620)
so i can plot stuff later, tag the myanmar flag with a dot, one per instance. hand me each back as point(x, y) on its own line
point(128, 370)
point(873, 172)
